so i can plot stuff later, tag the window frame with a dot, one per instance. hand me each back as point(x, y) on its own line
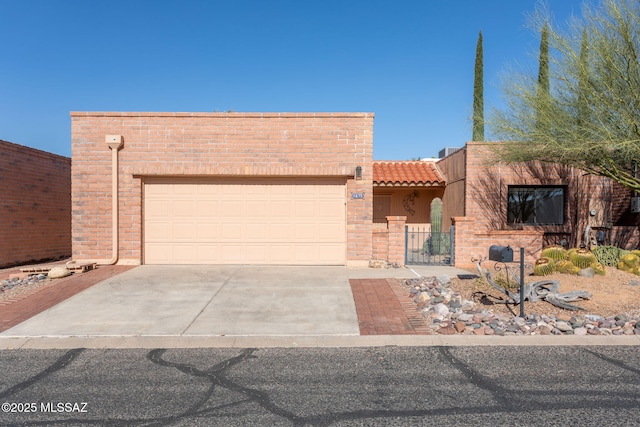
point(535, 191)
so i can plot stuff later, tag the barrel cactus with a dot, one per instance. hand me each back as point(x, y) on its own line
point(629, 263)
point(583, 258)
point(544, 266)
point(636, 252)
point(556, 253)
point(598, 268)
point(624, 267)
point(566, 267)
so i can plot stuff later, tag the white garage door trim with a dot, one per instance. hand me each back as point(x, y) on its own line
point(298, 221)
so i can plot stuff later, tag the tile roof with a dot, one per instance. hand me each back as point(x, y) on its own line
point(407, 174)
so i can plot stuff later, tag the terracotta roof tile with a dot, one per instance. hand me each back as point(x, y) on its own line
point(407, 174)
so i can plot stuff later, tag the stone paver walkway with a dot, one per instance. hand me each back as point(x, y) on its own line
point(384, 308)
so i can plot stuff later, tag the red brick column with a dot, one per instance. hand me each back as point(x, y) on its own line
point(395, 225)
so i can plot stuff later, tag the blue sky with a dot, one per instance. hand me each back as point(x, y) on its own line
point(409, 62)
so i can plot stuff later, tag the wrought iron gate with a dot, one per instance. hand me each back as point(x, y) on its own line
point(425, 247)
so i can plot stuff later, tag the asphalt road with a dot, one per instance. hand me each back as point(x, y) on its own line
point(322, 386)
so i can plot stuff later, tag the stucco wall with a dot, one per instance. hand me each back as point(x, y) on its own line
point(35, 212)
point(211, 144)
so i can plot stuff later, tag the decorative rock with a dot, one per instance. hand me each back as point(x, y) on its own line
point(58, 272)
point(545, 329)
point(378, 263)
point(448, 330)
point(444, 279)
point(563, 326)
point(447, 313)
point(441, 309)
point(587, 272)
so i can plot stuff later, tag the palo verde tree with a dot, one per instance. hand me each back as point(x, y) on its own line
point(478, 94)
point(591, 116)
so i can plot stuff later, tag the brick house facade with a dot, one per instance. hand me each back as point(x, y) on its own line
point(35, 223)
point(480, 196)
point(205, 152)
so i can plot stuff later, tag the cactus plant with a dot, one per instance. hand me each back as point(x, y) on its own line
point(608, 255)
point(630, 260)
point(543, 267)
point(598, 268)
point(436, 226)
point(556, 253)
point(624, 267)
point(636, 252)
point(582, 258)
point(565, 266)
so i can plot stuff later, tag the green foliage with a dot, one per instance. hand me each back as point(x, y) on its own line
point(436, 227)
point(556, 253)
point(608, 255)
point(506, 282)
point(582, 258)
point(544, 267)
point(478, 94)
point(589, 119)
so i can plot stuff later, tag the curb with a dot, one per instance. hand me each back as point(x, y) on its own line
point(186, 341)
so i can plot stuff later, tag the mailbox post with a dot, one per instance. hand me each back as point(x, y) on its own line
point(504, 254)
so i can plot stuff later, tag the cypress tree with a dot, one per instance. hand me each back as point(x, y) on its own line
point(478, 94)
point(583, 101)
point(543, 70)
point(543, 90)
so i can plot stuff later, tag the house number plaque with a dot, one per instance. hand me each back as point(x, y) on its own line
point(357, 195)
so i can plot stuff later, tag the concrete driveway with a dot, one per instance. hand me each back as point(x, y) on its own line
point(205, 301)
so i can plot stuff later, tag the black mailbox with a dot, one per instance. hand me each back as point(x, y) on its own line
point(500, 253)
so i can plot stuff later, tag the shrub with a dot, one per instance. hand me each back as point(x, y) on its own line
point(608, 255)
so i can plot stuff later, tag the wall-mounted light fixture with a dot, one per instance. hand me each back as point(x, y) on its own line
point(358, 172)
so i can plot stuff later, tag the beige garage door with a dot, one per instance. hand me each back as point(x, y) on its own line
point(244, 221)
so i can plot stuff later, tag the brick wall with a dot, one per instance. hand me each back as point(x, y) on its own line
point(389, 242)
point(484, 203)
point(35, 219)
point(211, 144)
point(381, 244)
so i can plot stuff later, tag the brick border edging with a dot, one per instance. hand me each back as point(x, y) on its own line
point(408, 306)
point(383, 308)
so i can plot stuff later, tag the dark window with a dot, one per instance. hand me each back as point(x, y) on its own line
point(536, 205)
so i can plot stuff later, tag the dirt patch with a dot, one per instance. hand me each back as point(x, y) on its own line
point(616, 292)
